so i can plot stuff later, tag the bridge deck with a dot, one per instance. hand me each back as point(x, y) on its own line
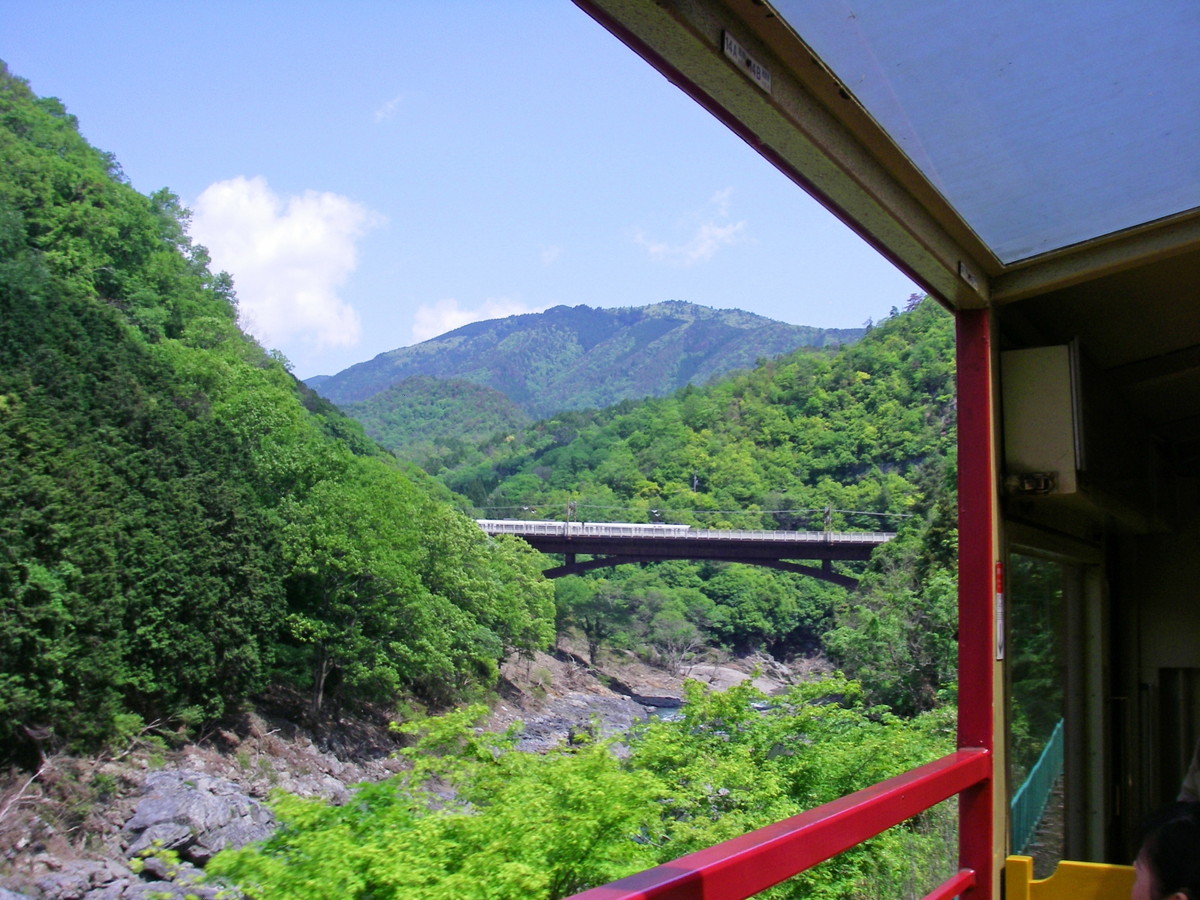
point(624, 542)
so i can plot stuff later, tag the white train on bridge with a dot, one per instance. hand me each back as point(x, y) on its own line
point(546, 528)
point(583, 529)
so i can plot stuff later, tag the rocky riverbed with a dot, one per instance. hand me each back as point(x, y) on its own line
point(94, 829)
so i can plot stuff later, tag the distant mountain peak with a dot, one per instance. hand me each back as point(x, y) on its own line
point(572, 357)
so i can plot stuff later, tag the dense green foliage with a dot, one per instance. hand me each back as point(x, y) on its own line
point(861, 438)
point(578, 357)
point(433, 422)
point(181, 521)
point(476, 819)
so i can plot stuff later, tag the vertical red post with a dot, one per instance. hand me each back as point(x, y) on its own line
point(976, 597)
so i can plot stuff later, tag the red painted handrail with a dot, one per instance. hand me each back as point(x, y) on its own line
point(955, 886)
point(745, 865)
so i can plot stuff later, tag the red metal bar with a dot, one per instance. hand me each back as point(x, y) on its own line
point(745, 865)
point(977, 650)
point(953, 887)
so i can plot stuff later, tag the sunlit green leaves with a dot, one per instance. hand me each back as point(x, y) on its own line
point(474, 818)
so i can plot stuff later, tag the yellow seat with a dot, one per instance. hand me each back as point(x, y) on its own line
point(1070, 881)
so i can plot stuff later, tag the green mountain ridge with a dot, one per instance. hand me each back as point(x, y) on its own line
point(578, 357)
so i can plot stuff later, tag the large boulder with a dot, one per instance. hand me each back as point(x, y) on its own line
point(196, 815)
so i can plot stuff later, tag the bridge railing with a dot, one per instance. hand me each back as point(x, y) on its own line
point(1029, 802)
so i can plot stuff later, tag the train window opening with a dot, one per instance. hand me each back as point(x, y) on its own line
point(1095, 549)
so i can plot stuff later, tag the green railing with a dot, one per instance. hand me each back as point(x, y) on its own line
point(1029, 802)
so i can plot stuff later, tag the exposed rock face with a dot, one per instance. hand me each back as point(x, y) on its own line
point(576, 714)
point(79, 828)
point(185, 811)
point(196, 815)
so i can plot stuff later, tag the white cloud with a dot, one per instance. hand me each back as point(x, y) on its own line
point(721, 200)
point(550, 254)
point(288, 258)
point(710, 231)
point(388, 109)
point(437, 318)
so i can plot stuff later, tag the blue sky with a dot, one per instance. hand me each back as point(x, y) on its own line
point(376, 173)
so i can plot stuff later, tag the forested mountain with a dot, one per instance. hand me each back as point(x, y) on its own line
point(181, 521)
point(426, 419)
point(571, 358)
point(863, 435)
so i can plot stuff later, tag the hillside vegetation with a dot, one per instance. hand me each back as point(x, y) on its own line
point(181, 522)
point(579, 357)
point(775, 447)
point(522, 825)
point(428, 420)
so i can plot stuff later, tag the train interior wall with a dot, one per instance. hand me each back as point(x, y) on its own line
point(1125, 547)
